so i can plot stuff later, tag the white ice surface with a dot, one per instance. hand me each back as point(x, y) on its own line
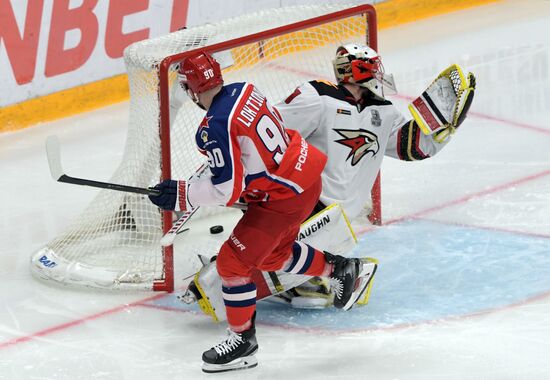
point(468, 229)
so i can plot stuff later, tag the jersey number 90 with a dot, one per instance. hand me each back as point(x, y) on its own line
point(215, 158)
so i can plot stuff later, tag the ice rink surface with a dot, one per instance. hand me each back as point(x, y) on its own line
point(463, 288)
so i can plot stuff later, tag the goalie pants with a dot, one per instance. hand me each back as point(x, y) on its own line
point(265, 239)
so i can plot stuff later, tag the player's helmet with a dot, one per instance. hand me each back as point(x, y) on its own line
point(199, 73)
point(361, 65)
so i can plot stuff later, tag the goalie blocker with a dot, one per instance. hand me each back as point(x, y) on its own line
point(328, 230)
point(443, 106)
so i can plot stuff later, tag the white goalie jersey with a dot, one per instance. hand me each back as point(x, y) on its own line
point(355, 136)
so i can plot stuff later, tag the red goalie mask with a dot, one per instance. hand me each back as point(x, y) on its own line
point(362, 66)
point(199, 73)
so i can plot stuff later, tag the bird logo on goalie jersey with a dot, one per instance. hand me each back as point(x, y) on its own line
point(361, 142)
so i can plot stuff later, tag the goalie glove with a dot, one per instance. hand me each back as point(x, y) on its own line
point(443, 106)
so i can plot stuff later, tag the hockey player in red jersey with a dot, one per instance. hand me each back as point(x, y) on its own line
point(252, 156)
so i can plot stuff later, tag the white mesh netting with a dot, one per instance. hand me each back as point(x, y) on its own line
point(114, 244)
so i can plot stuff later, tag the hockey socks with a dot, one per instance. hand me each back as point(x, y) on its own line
point(307, 260)
point(240, 305)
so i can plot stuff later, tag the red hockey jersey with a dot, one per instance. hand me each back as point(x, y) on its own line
point(250, 153)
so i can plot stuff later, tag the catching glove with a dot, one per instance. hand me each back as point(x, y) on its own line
point(443, 106)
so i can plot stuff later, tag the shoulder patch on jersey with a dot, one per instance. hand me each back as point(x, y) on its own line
point(375, 119)
point(204, 122)
point(343, 111)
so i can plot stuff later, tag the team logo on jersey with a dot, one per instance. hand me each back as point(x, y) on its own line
point(202, 128)
point(204, 122)
point(375, 119)
point(361, 142)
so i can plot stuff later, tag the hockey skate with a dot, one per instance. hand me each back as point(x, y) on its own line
point(191, 295)
point(312, 294)
point(350, 279)
point(234, 353)
point(317, 293)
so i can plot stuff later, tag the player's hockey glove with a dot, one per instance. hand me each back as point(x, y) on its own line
point(173, 195)
point(443, 106)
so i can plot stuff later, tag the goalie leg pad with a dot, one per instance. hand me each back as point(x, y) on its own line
point(370, 265)
point(209, 285)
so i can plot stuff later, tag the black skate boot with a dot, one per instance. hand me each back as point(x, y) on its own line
point(347, 279)
point(191, 295)
point(234, 353)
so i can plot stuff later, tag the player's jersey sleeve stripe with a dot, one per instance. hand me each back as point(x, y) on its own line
point(281, 181)
point(415, 150)
point(286, 182)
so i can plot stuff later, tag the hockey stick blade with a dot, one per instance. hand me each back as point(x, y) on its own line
point(170, 236)
point(54, 157)
point(53, 152)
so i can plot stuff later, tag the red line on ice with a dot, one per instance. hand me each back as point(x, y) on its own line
point(490, 228)
point(76, 322)
point(464, 199)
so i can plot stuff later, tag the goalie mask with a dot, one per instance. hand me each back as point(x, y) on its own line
point(199, 73)
point(361, 65)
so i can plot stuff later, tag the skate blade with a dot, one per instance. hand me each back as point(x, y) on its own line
point(310, 303)
point(235, 365)
point(188, 297)
point(365, 278)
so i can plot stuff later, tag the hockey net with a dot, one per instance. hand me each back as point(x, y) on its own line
point(114, 243)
